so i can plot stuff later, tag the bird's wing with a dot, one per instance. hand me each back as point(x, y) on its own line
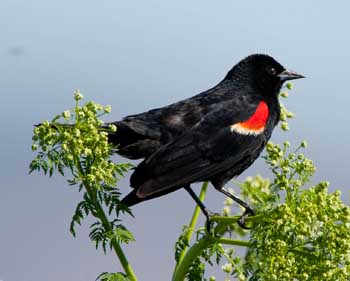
point(166, 122)
point(207, 149)
point(140, 135)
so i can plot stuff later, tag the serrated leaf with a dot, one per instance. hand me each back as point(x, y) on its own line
point(121, 235)
point(112, 277)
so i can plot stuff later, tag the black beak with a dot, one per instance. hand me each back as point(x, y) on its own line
point(289, 75)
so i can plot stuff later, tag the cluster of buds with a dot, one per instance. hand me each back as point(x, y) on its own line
point(77, 140)
point(302, 234)
point(285, 113)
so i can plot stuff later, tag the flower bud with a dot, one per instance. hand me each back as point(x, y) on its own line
point(107, 109)
point(77, 132)
point(98, 106)
point(303, 144)
point(337, 193)
point(90, 177)
point(78, 95)
point(290, 115)
point(286, 144)
point(283, 117)
point(87, 151)
point(289, 85)
point(226, 211)
point(284, 126)
point(113, 128)
point(227, 267)
point(66, 114)
point(284, 94)
point(65, 146)
point(230, 251)
point(301, 156)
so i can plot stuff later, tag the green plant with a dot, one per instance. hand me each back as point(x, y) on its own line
point(77, 141)
point(298, 233)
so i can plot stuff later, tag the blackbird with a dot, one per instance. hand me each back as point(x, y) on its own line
point(213, 136)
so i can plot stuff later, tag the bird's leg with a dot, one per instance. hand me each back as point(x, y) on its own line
point(204, 209)
point(248, 210)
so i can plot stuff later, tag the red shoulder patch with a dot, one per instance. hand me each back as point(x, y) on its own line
point(255, 124)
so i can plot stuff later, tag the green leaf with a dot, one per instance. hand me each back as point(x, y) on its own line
point(112, 277)
point(181, 243)
point(121, 235)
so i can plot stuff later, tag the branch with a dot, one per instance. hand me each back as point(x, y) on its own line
point(203, 243)
point(234, 242)
point(192, 253)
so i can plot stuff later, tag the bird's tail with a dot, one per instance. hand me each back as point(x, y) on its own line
point(131, 199)
point(124, 135)
point(133, 143)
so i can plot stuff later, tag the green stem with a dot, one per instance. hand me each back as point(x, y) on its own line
point(116, 246)
point(234, 242)
point(233, 219)
point(304, 253)
point(193, 222)
point(203, 243)
point(195, 251)
point(192, 253)
point(100, 214)
point(231, 260)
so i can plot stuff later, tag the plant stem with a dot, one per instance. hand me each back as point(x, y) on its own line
point(233, 219)
point(100, 214)
point(203, 243)
point(235, 242)
point(192, 253)
point(117, 248)
point(193, 222)
point(231, 260)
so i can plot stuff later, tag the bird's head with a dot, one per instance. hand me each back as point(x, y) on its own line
point(262, 73)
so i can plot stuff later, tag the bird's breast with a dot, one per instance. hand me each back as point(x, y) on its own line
point(255, 124)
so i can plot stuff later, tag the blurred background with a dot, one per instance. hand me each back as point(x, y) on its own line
point(136, 56)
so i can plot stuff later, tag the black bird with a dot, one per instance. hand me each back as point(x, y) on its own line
point(213, 136)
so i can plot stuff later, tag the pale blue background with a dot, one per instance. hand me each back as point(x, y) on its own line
point(136, 55)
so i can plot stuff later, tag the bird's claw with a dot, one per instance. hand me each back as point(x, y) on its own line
point(241, 222)
point(209, 223)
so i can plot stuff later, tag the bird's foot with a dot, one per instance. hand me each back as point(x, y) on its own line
point(209, 224)
point(241, 222)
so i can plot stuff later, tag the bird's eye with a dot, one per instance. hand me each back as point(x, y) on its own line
point(271, 71)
